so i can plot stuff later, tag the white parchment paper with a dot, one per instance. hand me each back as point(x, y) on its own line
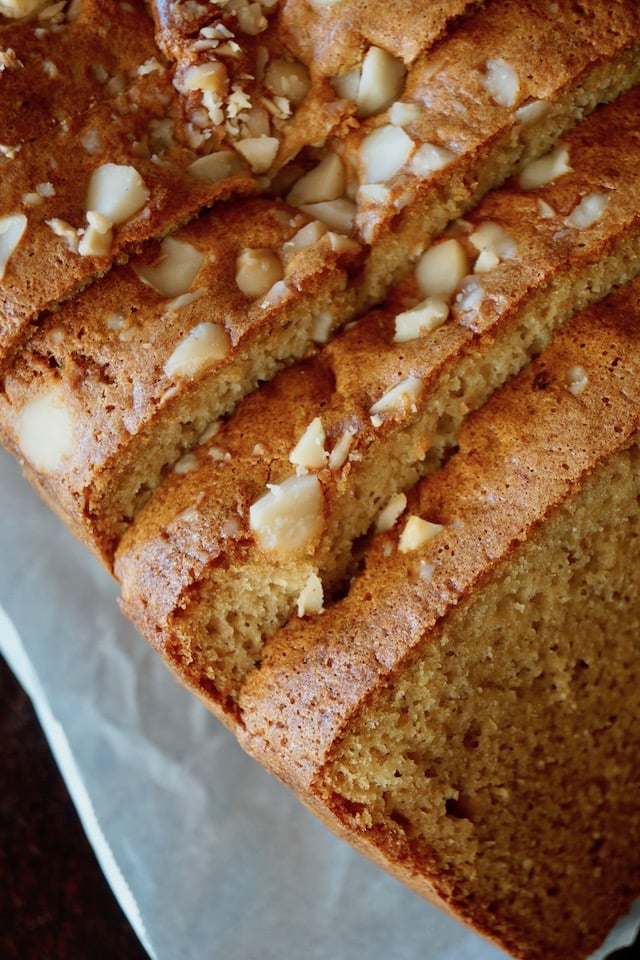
point(209, 856)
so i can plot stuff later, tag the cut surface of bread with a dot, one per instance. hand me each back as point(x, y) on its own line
point(257, 525)
point(468, 713)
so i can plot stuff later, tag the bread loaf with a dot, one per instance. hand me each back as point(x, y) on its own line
point(287, 337)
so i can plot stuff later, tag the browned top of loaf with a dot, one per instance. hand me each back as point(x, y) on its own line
point(520, 459)
point(119, 131)
point(325, 41)
point(57, 67)
point(332, 39)
point(342, 382)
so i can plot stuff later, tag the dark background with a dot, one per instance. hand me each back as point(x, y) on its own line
point(54, 901)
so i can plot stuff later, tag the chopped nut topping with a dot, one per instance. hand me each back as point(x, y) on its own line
point(12, 228)
point(545, 210)
point(50, 11)
point(421, 319)
point(340, 452)
point(338, 215)
point(45, 189)
point(97, 237)
point(494, 244)
point(429, 158)
point(183, 300)
point(381, 82)
point(311, 598)
point(259, 152)
point(217, 166)
point(325, 182)
point(470, 296)
point(384, 152)
point(441, 268)
point(486, 261)
point(149, 66)
point(20, 8)
point(186, 464)
point(91, 140)
point(251, 19)
point(530, 113)
point(417, 532)
point(402, 114)
point(50, 68)
point(588, 211)
point(211, 76)
point(209, 432)
point(175, 269)
point(8, 58)
point(389, 514)
point(346, 85)
point(501, 82)
point(289, 79)
point(373, 193)
point(275, 294)
point(546, 169)
point(65, 231)
point(309, 451)
point(45, 429)
point(404, 395)
point(577, 380)
point(206, 344)
point(322, 327)
point(116, 191)
point(426, 571)
point(257, 269)
point(289, 517)
point(342, 244)
point(306, 237)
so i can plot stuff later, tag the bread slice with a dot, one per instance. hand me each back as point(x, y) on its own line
point(467, 714)
point(257, 524)
point(122, 380)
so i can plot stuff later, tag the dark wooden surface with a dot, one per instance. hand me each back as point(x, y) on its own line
point(54, 901)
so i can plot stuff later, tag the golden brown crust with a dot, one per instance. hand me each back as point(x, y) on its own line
point(62, 159)
point(63, 66)
point(332, 39)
